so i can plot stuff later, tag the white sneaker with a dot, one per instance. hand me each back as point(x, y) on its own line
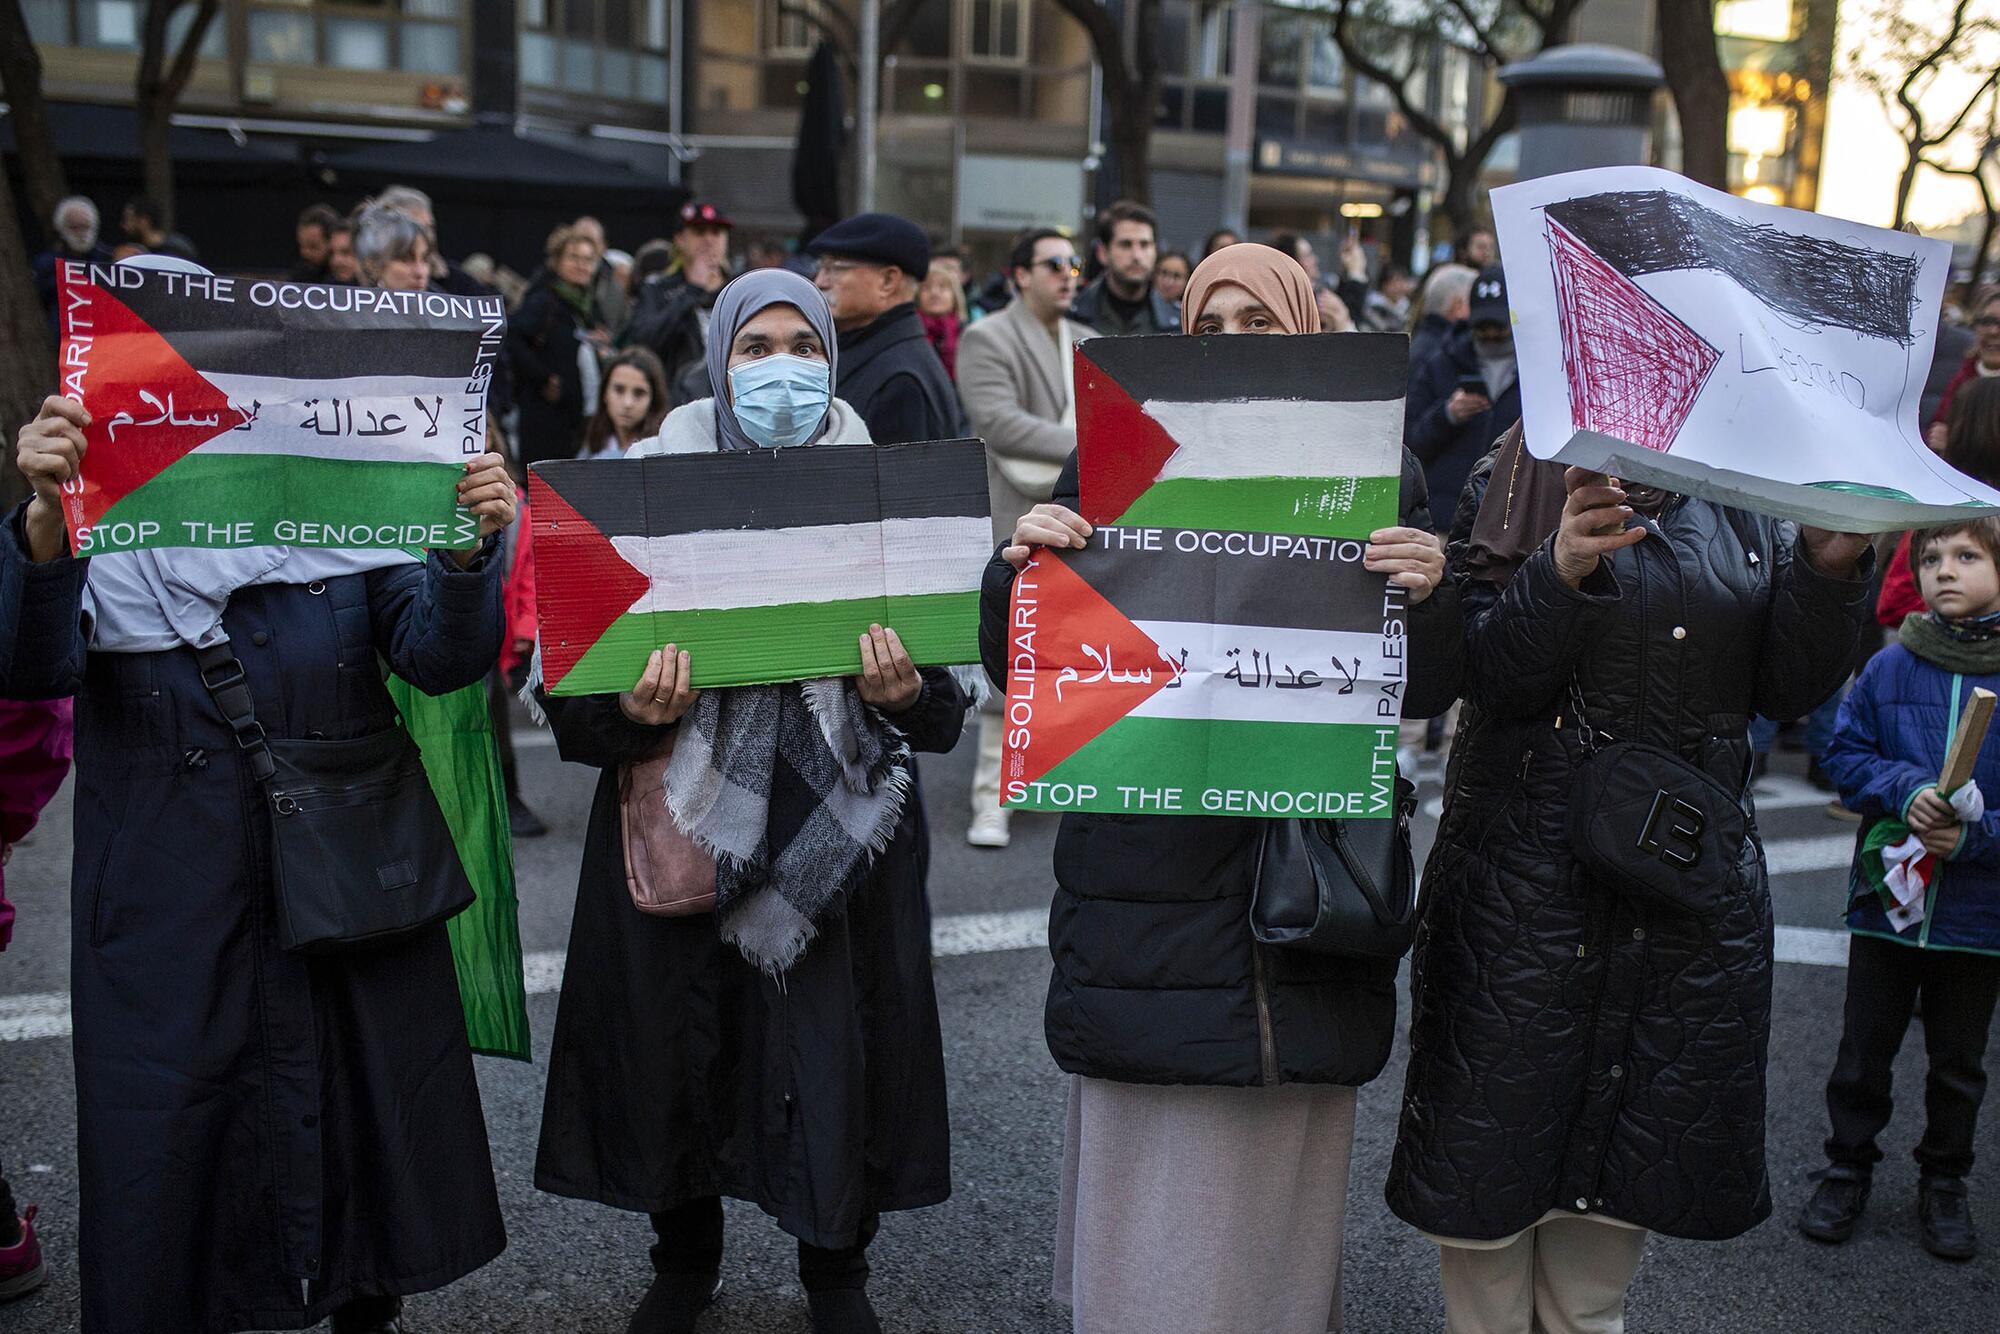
point(989, 829)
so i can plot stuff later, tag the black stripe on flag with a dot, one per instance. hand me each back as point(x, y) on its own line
point(665, 494)
point(1299, 583)
point(242, 337)
point(1347, 367)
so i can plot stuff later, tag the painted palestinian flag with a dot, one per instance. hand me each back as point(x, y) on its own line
point(229, 412)
point(1270, 435)
point(766, 565)
point(1196, 672)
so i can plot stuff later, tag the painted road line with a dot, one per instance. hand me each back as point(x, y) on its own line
point(42, 1014)
point(1824, 946)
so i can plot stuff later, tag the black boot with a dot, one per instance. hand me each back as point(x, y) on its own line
point(369, 1315)
point(843, 1311)
point(674, 1302)
point(1944, 1220)
point(524, 822)
point(1835, 1207)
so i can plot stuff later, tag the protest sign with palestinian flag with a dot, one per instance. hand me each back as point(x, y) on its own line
point(1218, 648)
point(765, 565)
point(233, 412)
point(1757, 356)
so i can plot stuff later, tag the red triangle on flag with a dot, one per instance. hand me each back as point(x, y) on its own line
point(579, 596)
point(149, 409)
point(1122, 449)
point(1055, 613)
point(1634, 368)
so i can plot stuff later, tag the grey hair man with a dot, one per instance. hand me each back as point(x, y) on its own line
point(75, 225)
point(445, 275)
point(1444, 307)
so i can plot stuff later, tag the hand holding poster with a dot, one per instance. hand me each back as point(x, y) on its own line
point(232, 412)
point(1218, 648)
point(1758, 356)
point(765, 565)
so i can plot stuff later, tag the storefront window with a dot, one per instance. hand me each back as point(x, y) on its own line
point(602, 48)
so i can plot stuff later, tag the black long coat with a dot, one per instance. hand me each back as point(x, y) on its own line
point(261, 1136)
point(543, 339)
point(1569, 1048)
point(1157, 979)
point(679, 1070)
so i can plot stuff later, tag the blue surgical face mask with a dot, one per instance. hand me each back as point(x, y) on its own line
point(780, 400)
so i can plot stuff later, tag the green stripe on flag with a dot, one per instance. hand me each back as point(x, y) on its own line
point(1227, 768)
point(1312, 506)
point(793, 641)
point(293, 500)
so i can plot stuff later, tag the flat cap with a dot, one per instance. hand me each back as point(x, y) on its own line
point(882, 238)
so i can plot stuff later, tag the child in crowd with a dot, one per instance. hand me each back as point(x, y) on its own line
point(1924, 892)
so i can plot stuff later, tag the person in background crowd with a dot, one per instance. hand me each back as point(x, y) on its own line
point(141, 222)
point(1971, 444)
point(869, 269)
point(1477, 249)
point(1018, 380)
point(670, 315)
point(264, 1138)
point(630, 406)
point(1220, 239)
point(1442, 309)
point(446, 276)
point(341, 265)
point(959, 263)
point(765, 252)
point(1955, 341)
point(1212, 1079)
point(552, 343)
point(608, 283)
point(1386, 308)
point(1983, 360)
point(35, 745)
point(313, 236)
point(1170, 275)
point(797, 1064)
point(941, 306)
point(75, 225)
point(1334, 316)
point(1592, 1057)
point(1123, 300)
point(1466, 395)
point(1894, 731)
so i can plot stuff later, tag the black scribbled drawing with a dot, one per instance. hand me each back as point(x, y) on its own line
point(1804, 278)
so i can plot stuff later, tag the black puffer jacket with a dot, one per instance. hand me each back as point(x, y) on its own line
point(1157, 980)
point(1570, 1049)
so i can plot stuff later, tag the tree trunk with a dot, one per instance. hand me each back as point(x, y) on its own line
point(1700, 89)
point(27, 354)
point(155, 125)
point(1461, 185)
point(21, 81)
point(1131, 145)
point(1906, 183)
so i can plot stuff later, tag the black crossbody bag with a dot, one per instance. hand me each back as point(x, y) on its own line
point(360, 847)
point(1340, 887)
point(1648, 824)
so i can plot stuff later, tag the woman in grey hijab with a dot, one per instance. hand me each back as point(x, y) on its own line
point(783, 1049)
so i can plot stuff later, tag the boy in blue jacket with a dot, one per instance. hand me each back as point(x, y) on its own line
point(1924, 903)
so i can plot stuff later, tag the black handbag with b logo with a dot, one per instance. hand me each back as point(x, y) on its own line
point(1652, 826)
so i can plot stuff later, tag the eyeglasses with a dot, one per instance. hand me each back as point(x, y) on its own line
point(1058, 265)
point(833, 268)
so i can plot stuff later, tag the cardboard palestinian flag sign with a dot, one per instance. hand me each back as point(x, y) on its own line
point(1218, 648)
point(231, 412)
point(1757, 356)
point(765, 565)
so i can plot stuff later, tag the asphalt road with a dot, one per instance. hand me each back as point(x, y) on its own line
point(981, 1261)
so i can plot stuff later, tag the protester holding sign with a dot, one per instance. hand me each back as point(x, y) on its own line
point(779, 1043)
point(265, 1137)
point(1591, 987)
point(1211, 1114)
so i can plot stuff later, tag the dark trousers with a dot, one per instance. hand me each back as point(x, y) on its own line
point(1884, 981)
point(691, 1243)
point(9, 1211)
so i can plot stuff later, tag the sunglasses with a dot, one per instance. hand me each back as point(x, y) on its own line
point(1057, 265)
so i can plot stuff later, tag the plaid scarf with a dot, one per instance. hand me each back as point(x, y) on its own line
point(793, 789)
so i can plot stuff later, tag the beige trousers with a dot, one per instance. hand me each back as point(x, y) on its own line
point(1563, 1276)
point(986, 771)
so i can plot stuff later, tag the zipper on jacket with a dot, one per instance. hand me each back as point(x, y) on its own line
point(1267, 1041)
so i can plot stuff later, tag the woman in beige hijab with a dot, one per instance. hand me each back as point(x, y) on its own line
point(1211, 1104)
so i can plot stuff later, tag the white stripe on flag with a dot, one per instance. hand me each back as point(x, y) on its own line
point(1281, 675)
point(1222, 441)
point(772, 567)
point(403, 408)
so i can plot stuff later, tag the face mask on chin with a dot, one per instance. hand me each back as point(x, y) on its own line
point(780, 400)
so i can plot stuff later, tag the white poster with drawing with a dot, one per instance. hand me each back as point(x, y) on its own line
point(1758, 356)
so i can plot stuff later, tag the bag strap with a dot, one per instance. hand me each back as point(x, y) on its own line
point(229, 686)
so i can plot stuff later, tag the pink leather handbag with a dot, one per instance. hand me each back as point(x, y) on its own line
point(666, 871)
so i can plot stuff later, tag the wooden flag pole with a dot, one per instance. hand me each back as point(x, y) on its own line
point(1964, 752)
